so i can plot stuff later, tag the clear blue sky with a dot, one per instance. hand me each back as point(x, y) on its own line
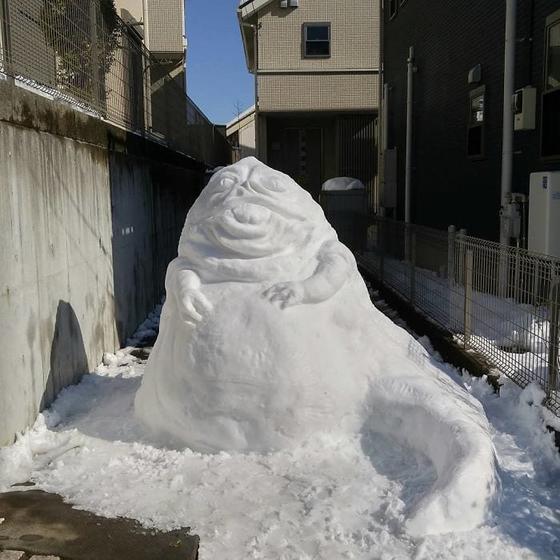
point(217, 77)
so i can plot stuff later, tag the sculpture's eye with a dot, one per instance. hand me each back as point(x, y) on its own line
point(275, 185)
point(226, 183)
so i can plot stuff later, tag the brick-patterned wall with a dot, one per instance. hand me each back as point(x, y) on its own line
point(354, 35)
point(347, 80)
point(449, 39)
point(165, 26)
point(317, 92)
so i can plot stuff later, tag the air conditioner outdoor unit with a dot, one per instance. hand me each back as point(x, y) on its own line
point(544, 213)
point(283, 3)
point(294, 3)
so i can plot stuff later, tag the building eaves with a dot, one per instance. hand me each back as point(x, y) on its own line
point(249, 7)
point(241, 116)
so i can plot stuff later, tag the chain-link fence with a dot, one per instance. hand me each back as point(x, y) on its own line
point(501, 302)
point(81, 52)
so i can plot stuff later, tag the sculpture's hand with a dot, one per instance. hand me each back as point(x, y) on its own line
point(185, 286)
point(286, 294)
point(193, 306)
point(336, 265)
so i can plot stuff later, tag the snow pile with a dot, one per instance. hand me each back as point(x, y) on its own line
point(329, 497)
point(268, 338)
point(343, 184)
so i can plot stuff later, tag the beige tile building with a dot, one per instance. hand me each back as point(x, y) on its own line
point(316, 67)
point(160, 25)
point(242, 135)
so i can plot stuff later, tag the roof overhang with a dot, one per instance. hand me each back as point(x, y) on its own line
point(248, 8)
point(241, 119)
point(246, 14)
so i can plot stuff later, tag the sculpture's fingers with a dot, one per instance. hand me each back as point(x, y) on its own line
point(191, 311)
point(290, 300)
point(270, 291)
point(201, 303)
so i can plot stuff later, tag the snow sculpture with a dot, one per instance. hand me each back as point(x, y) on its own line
point(268, 335)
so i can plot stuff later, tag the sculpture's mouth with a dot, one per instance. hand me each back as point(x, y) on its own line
point(248, 214)
point(249, 229)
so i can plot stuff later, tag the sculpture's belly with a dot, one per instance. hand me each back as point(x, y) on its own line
point(256, 377)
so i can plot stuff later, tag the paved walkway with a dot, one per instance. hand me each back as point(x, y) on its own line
point(40, 526)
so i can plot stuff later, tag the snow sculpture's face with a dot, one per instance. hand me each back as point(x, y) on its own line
point(251, 210)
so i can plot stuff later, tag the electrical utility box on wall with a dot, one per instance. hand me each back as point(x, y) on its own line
point(525, 108)
point(544, 213)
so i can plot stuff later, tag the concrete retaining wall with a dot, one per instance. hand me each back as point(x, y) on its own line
point(86, 232)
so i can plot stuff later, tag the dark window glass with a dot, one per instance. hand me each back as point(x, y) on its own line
point(317, 39)
point(317, 48)
point(474, 142)
point(477, 109)
point(316, 33)
point(551, 124)
point(553, 57)
point(392, 8)
point(475, 131)
point(550, 144)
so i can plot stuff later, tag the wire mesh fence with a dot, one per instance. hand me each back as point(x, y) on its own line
point(82, 53)
point(500, 302)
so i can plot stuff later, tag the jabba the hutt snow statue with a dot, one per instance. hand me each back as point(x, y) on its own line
point(268, 335)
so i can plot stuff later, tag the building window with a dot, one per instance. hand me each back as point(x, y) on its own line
point(551, 92)
point(317, 40)
point(393, 8)
point(477, 117)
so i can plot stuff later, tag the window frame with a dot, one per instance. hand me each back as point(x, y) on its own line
point(393, 15)
point(551, 21)
point(305, 26)
point(474, 93)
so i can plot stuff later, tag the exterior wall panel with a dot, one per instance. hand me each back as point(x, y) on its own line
point(449, 39)
point(165, 26)
point(354, 36)
point(318, 92)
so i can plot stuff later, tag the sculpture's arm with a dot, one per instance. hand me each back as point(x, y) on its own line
point(184, 286)
point(335, 266)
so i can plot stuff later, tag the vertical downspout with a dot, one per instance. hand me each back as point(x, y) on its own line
point(409, 113)
point(507, 132)
point(381, 111)
point(257, 122)
point(255, 28)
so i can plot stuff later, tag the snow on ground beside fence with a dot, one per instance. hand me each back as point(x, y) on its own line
point(512, 336)
point(331, 497)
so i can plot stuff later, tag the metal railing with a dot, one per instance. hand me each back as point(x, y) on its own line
point(82, 53)
point(500, 302)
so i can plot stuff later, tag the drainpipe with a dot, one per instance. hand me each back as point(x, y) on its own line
point(507, 133)
point(381, 121)
point(409, 109)
point(255, 28)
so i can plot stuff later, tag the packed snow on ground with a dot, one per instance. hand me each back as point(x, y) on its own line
point(330, 497)
point(513, 336)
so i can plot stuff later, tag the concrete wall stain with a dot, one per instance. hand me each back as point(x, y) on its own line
point(88, 233)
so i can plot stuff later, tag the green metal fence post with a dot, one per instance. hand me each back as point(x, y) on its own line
point(468, 297)
point(553, 336)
